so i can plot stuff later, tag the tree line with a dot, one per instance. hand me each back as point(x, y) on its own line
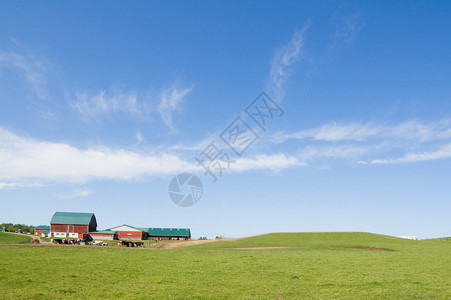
point(14, 227)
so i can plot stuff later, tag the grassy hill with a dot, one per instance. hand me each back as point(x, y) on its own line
point(316, 240)
point(11, 238)
point(318, 266)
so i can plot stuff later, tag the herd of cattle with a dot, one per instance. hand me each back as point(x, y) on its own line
point(68, 242)
point(96, 243)
point(130, 244)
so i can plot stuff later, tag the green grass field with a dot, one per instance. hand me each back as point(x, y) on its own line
point(11, 238)
point(319, 266)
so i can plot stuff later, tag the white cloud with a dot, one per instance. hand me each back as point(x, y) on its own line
point(346, 151)
point(442, 152)
point(269, 162)
point(424, 132)
point(28, 162)
point(139, 137)
point(409, 130)
point(283, 60)
point(13, 185)
point(362, 142)
point(32, 68)
point(330, 132)
point(353, 142)
point(26, 159)
point(77, 194)
point(171, 100)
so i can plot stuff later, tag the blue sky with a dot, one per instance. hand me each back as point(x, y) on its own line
point(101, 105)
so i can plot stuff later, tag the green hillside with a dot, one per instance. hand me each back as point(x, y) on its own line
point(11, 238)
point(316, 240)
point(328, 240)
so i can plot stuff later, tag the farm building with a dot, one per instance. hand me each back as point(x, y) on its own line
point(42, 230)
point(167, 233)
point(128, 232)
point(72, 225)
point(104, 235)
point(141, 233)
point(84, 226)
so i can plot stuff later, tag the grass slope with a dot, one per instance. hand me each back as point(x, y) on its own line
point(316, 269)
point(11, 238)
point(314, 240)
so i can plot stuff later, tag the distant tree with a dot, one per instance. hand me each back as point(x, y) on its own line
point(14, 227)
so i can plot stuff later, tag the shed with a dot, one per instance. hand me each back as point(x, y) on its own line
point(104, 235)
point(167, 233)
point(128, 232)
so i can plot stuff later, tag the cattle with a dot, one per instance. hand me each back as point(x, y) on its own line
point(126, 243)
point(130, 244)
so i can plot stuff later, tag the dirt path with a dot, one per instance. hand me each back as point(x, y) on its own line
point(179, 244)
point(262, 248)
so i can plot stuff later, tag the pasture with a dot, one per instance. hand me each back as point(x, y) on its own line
point(12, 238)
point(272, 266)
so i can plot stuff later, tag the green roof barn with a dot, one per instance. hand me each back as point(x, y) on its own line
point(72, 224)
point(167, 233)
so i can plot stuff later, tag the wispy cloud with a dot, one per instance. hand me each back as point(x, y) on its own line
point(350, 142)
point(329, 132)
point(371, 143)
point(444, 151)
point(32, 68)
point(408, 130)
point(105, 102)
point(283, 61)
point(92, 106)
point(345, 26)
point(139, 137)
point(352, 152)
point(17, 185)
point(171, 100)
point(28, 162)
point(272, 162)
point(198, 146)
point(76, 194)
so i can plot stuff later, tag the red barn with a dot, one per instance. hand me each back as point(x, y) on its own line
point(38, 230)
point(129, 233)
point(72, 225)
